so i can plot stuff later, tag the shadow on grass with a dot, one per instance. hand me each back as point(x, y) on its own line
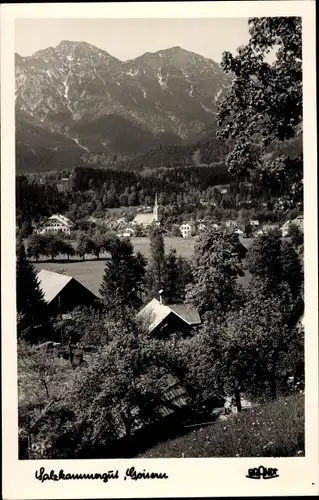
point(68, 261)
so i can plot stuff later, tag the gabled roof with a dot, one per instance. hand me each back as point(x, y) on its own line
point(286, 224)
point(61, 218)
point(188, 314)
point(52, 283)
point(155, 313)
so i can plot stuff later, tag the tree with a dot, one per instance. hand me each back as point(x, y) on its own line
point(157, 258)
point(291, 268)
point(264, 106)
point(36, 246)
point(53, 245)
point(124, 385)
point(122, 282)
point(97, 244)
point(248, 229)
point(259, 349)
point(34, 324)
point(42, 382)
point(26, 229)
point(67, 249)
point(176, 275)
point(295, 234)
point(83, 245)
point(215, 267)
point(275, 262)
point(264, 258)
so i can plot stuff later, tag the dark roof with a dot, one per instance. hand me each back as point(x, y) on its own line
point(188, 314)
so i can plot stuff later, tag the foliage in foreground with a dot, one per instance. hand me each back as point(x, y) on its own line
point(273, 430)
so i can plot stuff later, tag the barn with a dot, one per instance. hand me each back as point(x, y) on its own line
point(64, 293)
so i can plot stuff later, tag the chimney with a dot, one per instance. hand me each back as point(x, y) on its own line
point(160, 296)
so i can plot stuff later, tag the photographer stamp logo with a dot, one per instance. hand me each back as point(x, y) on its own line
point(262, 473)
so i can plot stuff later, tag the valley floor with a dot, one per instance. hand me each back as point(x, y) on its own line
point(90, 271)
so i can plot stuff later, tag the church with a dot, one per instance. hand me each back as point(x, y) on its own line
point(148, 219)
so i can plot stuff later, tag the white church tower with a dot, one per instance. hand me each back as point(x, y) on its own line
point(155, 211)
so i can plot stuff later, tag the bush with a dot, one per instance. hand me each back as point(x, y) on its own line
point(272, 430)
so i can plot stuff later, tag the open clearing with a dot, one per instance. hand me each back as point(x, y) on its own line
point(90, 272)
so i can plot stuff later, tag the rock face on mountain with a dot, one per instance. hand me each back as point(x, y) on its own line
point(76, 95)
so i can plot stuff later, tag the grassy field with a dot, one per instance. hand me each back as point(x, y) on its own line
point(272, 430)
point(90, 271)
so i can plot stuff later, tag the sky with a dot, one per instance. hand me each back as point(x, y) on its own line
point(129, 38)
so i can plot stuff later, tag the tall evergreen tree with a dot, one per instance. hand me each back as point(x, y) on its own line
point(176, 275)
point(122, 283)
point(34, 323)
point(157, 260)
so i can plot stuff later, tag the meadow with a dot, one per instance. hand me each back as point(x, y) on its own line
point(90, 271)
point(275, 429)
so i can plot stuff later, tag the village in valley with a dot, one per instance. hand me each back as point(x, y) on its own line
point(160, 297)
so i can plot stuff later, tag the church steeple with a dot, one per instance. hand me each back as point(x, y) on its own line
point(155, 210)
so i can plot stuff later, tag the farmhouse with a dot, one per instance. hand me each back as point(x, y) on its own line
point(186, 229)
point(57, 224)
point(165, 319)
point(63, 293)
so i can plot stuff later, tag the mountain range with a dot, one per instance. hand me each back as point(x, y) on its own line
point(76, 100)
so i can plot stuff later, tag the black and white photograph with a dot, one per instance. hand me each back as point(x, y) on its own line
point(159, 239)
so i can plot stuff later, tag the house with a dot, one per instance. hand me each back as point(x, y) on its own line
point(186, 229)
point(128, 232)
point(231, 223)
point(201, 226)
point(148, 219)
point(298, 221)
point(165, 319)
point(254, 222)
point(269, 227)
point(56, 224)
point(64, 293)
point(63, 185)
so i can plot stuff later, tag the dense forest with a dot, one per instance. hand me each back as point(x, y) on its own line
point(206, 190)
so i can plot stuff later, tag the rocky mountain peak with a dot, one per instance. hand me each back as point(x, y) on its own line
point(98, 102)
